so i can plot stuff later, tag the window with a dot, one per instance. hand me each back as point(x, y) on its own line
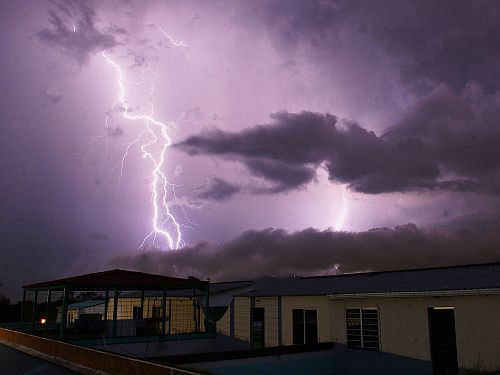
point(362, 329)
point(305, 326)
point(137, 312)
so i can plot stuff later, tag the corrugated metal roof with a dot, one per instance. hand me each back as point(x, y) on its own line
point(120, 279)
point(466, 277)
point(225, 286)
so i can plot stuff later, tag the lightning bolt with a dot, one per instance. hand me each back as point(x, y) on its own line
point(343, 213)
point(164, 223)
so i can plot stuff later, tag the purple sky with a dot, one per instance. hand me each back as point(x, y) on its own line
point(297, 127)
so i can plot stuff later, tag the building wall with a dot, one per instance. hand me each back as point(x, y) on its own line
point(403, 324)
point(242, 318)
point(319, 303)
point(404, 327)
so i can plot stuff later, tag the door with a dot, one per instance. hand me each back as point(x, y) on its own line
point(443, 340)
point(305, 326)
point(311, 326)
point(258, 328)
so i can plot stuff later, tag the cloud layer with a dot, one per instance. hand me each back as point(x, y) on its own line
point(446, 142)
point(275, 252)
point(451, 41)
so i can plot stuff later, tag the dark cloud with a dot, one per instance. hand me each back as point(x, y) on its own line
point(454, 42)
point(451, 41)
point(285, 153)
point(216, 189)
point(275, 252)
point(73, 29)
point(446, 142)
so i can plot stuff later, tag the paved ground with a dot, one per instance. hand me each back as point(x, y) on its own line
point(14, 362)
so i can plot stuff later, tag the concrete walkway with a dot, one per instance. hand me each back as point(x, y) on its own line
point(14, 362)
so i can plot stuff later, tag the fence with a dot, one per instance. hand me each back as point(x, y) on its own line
point(88, 314)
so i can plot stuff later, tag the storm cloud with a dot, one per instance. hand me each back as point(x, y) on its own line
point(445, 142)
point(73, 29)
point(275, 252)
point(452, 41)
point(215, 189)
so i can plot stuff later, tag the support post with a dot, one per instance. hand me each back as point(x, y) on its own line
point(164, 313)
point(280, 321)
point(22, 309)
point(142, 305)
point(231, 318)
point(47, 312)
point(33, 312)
point(195, 321)
point(64, 314)
point(252, 311)
point(170, 317)
point(106, 305)
point(115, 310)
point(207, 307)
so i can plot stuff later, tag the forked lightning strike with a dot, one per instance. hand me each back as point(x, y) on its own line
point(163, 221)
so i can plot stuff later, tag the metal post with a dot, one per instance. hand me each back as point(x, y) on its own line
point(106, 306)
point(170, 317)
point(115, 310)
point(164, 313)
point(207, 305)
point(106, 299)
point(231, 318)
point(142, 304)
point(33, 313)
point(195, 321)
point(22, 309)
point(252, 311)
point(280, 321)
point(47, 311)
point(64, 314)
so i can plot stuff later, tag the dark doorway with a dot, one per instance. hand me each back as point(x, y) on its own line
point(443, 340)
point(258, 328)
point(311, 326)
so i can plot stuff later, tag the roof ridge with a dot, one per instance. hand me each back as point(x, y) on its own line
point(115, 276)
point(402, 270)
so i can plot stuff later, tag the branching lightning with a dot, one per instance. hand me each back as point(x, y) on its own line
point(343, 213)
point(153, 136)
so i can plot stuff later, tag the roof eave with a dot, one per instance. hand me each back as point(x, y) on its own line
point(434, 293)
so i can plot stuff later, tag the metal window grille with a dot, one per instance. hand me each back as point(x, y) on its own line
point(362, 328)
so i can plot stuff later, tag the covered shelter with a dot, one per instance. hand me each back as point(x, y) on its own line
point(107, 293)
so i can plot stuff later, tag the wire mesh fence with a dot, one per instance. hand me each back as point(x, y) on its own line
point(113, 313)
